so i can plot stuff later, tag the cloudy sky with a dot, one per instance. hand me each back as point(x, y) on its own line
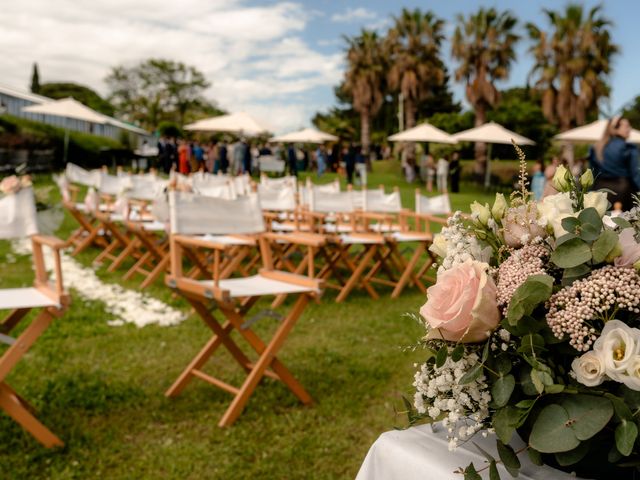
point(276, 60)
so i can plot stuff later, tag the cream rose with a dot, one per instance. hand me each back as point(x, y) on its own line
point(597, 200)
point(589, 369)
point(553, 209)
point(462, 305)
point(439, 245)
point(617, 346)
point(632, 377)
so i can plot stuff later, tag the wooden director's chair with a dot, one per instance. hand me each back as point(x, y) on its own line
point(191, 217)
point(17, 220)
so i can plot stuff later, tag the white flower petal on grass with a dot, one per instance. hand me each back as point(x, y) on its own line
point(128, 306)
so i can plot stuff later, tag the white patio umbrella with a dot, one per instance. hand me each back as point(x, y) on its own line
point(491, 133)
point(68, 108)
point(424, 132)
point(240, 122)
point(591, 133)
point(306, 135)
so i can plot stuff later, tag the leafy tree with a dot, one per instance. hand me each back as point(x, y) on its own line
point(572, 63)
point(365, 79)
point(413, 46)
point(35, 79)
point(81, 93)
point(156, 90)
point(484, 46)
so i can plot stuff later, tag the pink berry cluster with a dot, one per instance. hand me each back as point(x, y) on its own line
point(572, 309)
point(513, 272)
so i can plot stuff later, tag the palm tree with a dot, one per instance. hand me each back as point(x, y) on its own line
point(572, 63)
point(413, 46)
point(484, 46)
point(364, 79)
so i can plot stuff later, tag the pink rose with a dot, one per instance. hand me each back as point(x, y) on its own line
point(521, 225)
point(462, 305)
point(10, 185)
point(630, 249)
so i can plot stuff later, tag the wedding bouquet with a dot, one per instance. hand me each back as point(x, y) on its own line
point(533, 326)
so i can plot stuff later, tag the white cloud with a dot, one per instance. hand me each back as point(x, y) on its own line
point(353, 14)
point(253, 56)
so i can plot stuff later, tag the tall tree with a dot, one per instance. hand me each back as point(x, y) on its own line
point(572, 63)
point(157, 90)
point(483, 43)
point(35, 79)
point(365, 79)
point(413, 46)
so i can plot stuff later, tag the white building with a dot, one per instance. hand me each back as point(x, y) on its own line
point(12, 101)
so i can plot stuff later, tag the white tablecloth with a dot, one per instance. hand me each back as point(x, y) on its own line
point(418, 453)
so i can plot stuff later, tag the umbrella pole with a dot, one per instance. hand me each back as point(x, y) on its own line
point(487, 170)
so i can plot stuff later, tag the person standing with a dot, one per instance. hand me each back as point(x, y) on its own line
point(454, 171)
point(212, 163)
point(538, 180)
point(292, 160)
point(237, 158)
point(350, 163)
point(442, 172)
point(197, 162)
point(361, 166)
point(183, 157)
point(615, 163)
point(223, 158)
point(246, 157)
point(430, 167)
point(321, 159)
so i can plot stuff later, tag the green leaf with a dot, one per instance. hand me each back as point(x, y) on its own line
point(471, 474)
point(614, 455)
point(472, 374)
point(621, 409)
point(626, 434)
point(485, 352)
point(571, 253)
point(493, 471)
point(487, 455)
point(509, 458)
point(570, 224)
point(505, 421)
point(531, 343)
point(503, 364)
point(502, 389)
point(554, 388)
point(565, 238)
point(537, 381)
point(528, 388)
point(551, 433)
point(535, 456)
point(441, 357)
point(457, 353)
point(570, 275)
point(535, 290)
point(590, 216)
point(526, 403)
point(621, 222)
point(603, 245)
point(589, 414)
point(589, 233)
point(572, 456)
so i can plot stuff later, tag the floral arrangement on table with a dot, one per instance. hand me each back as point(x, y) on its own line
point(533, 326)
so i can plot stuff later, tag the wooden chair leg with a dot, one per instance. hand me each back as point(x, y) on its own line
point(22, 344)
point(357, 273)
point(11, 403)
point(408, 271)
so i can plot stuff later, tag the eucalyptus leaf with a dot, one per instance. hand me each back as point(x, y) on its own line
point(535, 290)
point(554, 388)
point(589, 233)
point(570, 224)
point(535, 456)
point(589, 414)
point(590, 216)
point(621, 409)
point(621, 222)
point(626, 434)
point(571, 253)
point(572, 456)
point(565, 238)
point(603, 245)
point(502, 389)
point(470, 473)
point(493, 471)
point(570, 275)
point(457, 353)
point(472, 374)
point(551, 433)
point(505, 422)
point(441, 357)
point(509, 458)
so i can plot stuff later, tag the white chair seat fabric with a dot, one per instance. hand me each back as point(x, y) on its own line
point(11, 298)
point(358, 240)
point(411, 236)
point(226, 240)
point(258, 285)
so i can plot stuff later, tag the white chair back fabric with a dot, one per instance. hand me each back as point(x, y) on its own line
point(379, 202)
point(224, 190)
point(269, 163)
point(280, 199)
point(206, 180)
point(330, 202)
point(18, 214)
point(241, 185)
point(438, 205)
point(145, 188)
point(180, 179)
point(199, 215)
point(80, 176)
point(113, 185)
point(288, 181)
point(304, 191)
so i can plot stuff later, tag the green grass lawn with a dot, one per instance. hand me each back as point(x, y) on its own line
point(101, 388)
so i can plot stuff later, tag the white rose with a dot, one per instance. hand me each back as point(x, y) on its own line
point(618, 346)
point(439, 245)
point(589, 369)
point(597, 200)
point(553, 209)
point(632, 377)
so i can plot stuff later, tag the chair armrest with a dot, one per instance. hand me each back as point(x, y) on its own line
point(298, 238)
point(50, 241)
point(198, 242)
